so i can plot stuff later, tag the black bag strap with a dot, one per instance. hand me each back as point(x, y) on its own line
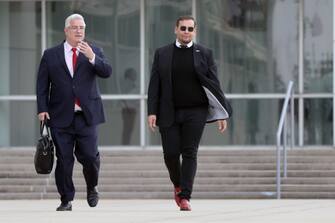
point(43, 124)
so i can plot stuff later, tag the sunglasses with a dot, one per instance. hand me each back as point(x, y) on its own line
point(190, 29)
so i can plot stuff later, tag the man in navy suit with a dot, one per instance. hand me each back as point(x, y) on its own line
point(184, 93)
point(69, 99)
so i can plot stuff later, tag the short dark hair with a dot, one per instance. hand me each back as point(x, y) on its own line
point(185, 17)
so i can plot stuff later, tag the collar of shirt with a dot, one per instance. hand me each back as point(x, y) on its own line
point(178, 44)
point(68, 48)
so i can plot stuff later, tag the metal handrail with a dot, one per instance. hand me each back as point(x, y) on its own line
point(280, 134)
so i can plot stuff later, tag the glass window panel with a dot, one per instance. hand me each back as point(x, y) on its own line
point(18, 127)
point(20, 46)
point(251, 124)
point(160, 20)
point(253, 43)
point(318, 42)
point(152, 138)
point(122, 125)
point(112, 25)
point(318, 121)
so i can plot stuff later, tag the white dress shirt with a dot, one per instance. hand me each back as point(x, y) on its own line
point(68, 59)
point(68, 56)
point(178, 44)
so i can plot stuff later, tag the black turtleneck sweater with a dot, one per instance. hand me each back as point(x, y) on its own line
point(187, 91)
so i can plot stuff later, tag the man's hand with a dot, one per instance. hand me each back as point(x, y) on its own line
point(86, 50)
point(222, 125)
point(43, 115)
point(152, 122)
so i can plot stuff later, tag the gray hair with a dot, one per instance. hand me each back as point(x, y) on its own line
point(72, 17)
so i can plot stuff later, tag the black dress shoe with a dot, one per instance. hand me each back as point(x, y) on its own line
point(92, 196)
point(65, 206)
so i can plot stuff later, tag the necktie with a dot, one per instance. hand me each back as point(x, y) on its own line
point(74, 59)
point(74, 63)
point(183, 46)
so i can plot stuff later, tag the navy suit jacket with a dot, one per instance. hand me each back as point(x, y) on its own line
point(56, 89)
point(160, 96)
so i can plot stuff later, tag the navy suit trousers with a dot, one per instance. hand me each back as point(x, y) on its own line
point(80, 140)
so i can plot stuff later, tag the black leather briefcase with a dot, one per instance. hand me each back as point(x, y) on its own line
point(44, 155)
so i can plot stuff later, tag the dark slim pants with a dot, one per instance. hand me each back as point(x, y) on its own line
point(81, 140)
point(182, 138)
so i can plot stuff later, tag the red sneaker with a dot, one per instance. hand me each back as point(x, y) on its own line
point(185, 205)
point(177, 190)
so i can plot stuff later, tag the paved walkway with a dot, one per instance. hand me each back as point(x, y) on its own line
point(150, 211)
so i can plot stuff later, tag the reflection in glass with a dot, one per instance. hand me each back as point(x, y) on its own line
point(318, 121)
point(19, 46)
point(112, 25)
point(251, 124)
point(122, 125)
point(129, 83)
point(253, 43)
point(318, 39)
point(254, 46)
point(152, 138)
point(19, 127)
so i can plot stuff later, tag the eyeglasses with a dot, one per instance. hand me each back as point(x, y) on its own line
point(74, 28)
point(190, 29)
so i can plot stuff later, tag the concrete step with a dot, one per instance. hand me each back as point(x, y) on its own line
point(145, 174)
point(158, 159)
point(224, 152)
point(168, 195)
point(21, 188)
point(163, 180)
point(202, 166)
point(308, 180)
point(166, 187)
point(200, 180)
point(163, 173)
point(226, 174)
point(308, 188)
point(304, 195)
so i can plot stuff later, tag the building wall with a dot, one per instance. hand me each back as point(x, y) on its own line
point(255, 43)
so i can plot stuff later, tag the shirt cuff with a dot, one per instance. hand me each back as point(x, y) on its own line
point(93, 60)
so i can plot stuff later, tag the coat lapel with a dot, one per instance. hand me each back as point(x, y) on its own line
point(80, 60)
point(168, 59)
point(61, 57)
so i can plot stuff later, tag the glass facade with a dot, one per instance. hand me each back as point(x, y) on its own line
point(259, 46)
point(254, 43)
point(318, 55)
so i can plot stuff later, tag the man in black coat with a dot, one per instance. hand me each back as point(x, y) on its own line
point(184, 93)
point(69, 97)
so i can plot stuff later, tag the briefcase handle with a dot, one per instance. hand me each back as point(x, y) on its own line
point(43, 124)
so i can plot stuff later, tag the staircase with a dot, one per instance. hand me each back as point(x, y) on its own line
point(141, 174)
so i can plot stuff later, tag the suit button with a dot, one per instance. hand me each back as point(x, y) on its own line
point(73, 87)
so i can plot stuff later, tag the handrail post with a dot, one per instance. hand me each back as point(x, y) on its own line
point(278, 168)
point(285, 149)
point(292, 120)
